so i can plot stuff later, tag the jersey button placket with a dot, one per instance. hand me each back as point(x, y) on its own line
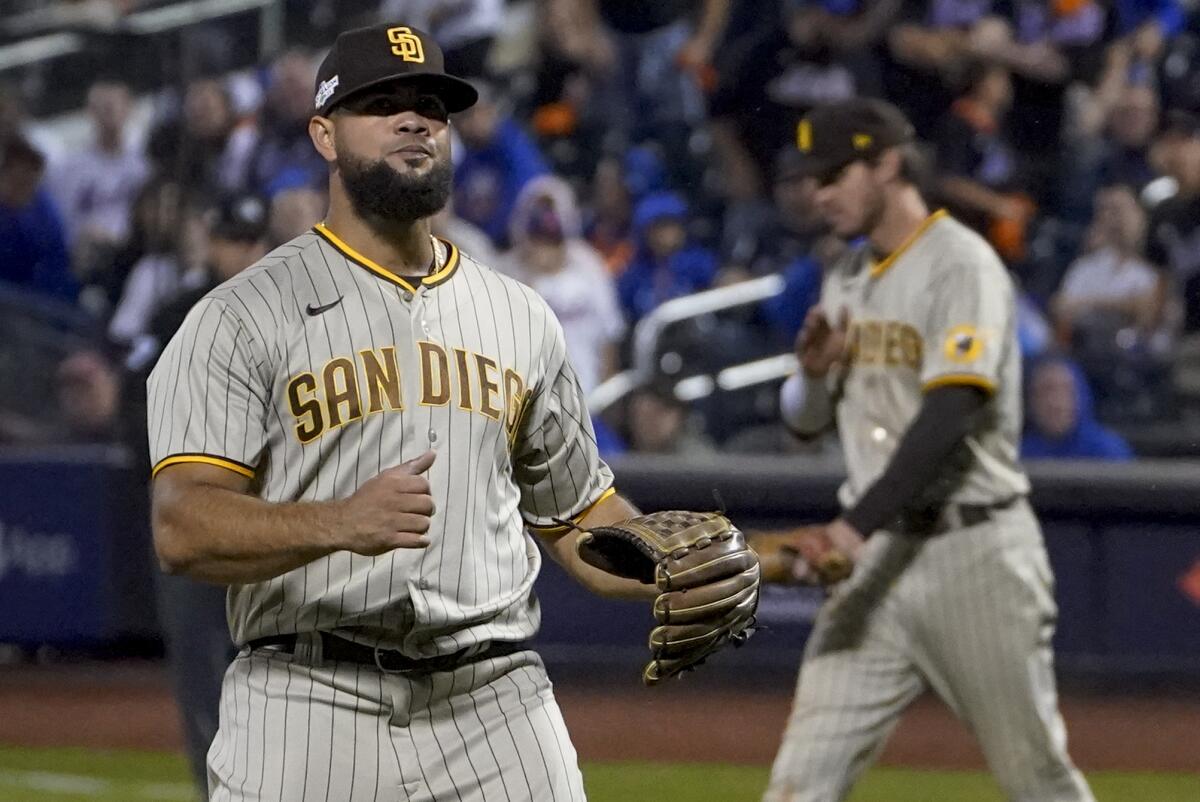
point(422, 331)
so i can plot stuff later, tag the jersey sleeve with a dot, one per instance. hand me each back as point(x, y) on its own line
point(967, 326)
point(207, 400)
point(556, 463)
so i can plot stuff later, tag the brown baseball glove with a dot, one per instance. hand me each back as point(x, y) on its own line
point(800, 555)
point(706, 576)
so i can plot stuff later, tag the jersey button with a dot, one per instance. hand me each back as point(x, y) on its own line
point(432, 436)
point(408, 296)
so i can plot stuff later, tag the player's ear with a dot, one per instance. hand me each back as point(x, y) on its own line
point(890, 165)
point(321, 132)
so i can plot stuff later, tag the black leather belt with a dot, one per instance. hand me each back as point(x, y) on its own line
point(391, 661)
point(939, 520)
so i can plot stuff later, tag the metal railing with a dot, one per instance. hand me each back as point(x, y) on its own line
point(51, 37)
point(649, 331)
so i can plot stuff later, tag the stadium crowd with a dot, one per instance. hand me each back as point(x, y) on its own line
point(624, 154)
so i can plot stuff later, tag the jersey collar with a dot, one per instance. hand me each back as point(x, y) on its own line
point(439, 276)
point(879, 268)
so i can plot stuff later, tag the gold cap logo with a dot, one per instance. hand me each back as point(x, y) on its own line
point(862, 141)
point(406, 44)
point(804, 136)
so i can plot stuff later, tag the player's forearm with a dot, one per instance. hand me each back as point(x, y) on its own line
point(948, 414)
point(223, 536)
point(562, 547)
point(806, 405)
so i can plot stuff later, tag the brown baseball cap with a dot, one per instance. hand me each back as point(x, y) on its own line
point(365, 57)
point(834, 135)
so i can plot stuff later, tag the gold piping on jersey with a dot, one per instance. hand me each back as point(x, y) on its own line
point(435, 278)
point(206, 459)
point(879, 268)
point(969, 379)
point(559, 529)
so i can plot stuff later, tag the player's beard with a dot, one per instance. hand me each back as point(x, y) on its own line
point(378, 191)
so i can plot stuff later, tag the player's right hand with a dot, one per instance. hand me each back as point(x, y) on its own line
point(390, 511)
point(820, 345)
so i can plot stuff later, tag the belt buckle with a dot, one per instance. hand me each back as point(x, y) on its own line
point(379, 663)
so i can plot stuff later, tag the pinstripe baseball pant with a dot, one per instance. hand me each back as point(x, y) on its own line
point(969, 614)
point(296, 731)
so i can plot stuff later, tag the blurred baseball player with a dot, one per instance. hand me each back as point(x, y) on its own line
point(355, 434)
point(912, 354)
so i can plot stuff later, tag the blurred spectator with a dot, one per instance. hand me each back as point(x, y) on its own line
point(237, 238)
point(1108, 143)
point(499, 159)
point(95, 188)
point(173, 261)
point(294, 211)
point(1112, 286)
point(648, 64)
point(659, 423)
point(768, 238)
point(1035, 336)
point(33, 250)
point(1061, 422)
point(469, 238)
point(608, 442)
point(285, 157)
point(610, 230)
point(816, 51)
point(204, 148)
point(551, 256)
point(1174, 238)
point(89, 397)
point(929, 49)
point(666, 265)
point(979, 168)
point(148, 233)
point(14, 124)
point(1146, 25)
point(465, 29)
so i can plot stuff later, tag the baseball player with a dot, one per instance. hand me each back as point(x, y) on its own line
point(355, 434)
point(912, 354)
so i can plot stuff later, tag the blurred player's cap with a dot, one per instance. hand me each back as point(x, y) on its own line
point(386, 53)
point(832, 136)
point(242, 218)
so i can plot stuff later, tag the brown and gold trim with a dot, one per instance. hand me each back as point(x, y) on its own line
point(437, 277)
point(206, 459)
point(879, 268)
point(968, 379)
point(576, 518)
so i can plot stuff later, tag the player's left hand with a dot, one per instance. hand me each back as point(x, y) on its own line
point(820, 554)
point(707, 578)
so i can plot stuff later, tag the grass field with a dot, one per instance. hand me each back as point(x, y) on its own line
point(74, 775)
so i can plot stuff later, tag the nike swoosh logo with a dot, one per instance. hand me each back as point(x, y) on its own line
point(313, 311)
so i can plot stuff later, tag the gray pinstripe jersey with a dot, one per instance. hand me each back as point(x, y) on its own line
point(316, 368)
point(938, 311)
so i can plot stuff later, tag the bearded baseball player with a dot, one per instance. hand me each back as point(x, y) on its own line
point(912, 355)
point(357, 435)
